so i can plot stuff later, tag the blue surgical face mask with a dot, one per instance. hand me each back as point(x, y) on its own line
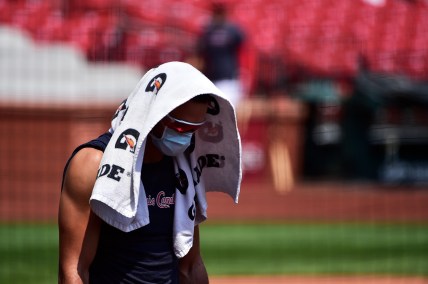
point(172, 143)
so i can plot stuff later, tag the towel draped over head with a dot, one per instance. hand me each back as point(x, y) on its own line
point(212, 163)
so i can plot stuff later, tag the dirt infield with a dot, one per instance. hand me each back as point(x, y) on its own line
point(318, 280)
point(322, 201)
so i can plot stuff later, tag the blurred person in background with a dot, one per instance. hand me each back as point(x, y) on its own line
point(172, 159)
point(218, 50)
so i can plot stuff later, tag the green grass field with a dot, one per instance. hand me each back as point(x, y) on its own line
point(28, 252)
point(316, 249)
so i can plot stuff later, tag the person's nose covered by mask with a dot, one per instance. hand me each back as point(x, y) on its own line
point(172, 143)
point(176, 135)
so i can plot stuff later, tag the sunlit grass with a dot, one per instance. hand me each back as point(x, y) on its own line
point(316, 249)
point(29, 252)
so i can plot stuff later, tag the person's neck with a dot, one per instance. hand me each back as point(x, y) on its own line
point(151, 153)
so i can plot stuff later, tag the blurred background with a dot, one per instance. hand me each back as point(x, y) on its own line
point(332, 107)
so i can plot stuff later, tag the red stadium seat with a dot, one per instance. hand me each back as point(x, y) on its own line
point(152, 11)
point(29, 15)
point(51, 29)
point(6, 11)
point(84, 5)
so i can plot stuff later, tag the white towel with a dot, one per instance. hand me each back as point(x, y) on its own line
point(214, 164)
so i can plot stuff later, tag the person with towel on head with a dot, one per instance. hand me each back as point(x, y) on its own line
point(133, 198)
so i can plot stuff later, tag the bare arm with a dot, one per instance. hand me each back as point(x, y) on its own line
point(192, 267)
point(78, 227)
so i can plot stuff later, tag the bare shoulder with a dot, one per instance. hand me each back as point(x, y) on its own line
point(78, 228)
point(81, 173)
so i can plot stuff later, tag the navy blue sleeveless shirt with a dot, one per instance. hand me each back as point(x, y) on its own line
point(144, 255)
